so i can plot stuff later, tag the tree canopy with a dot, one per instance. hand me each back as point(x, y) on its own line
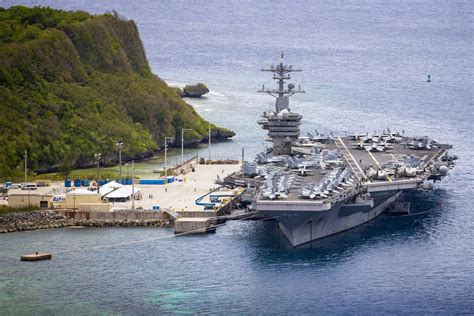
point(73, 84)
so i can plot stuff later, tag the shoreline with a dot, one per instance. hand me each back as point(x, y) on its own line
point(49, 219)
point(115, 164)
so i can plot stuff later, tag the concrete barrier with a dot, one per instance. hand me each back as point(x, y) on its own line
point(94, 207)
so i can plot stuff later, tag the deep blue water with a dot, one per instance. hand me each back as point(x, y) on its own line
point(364, 65)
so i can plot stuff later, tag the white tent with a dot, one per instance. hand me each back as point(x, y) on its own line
point(112, 184)
point(123, 194)
point(75, 191)
point(105, 190)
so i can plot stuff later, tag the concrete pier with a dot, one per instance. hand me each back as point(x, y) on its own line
point(181, 194)
point(159, 205)
point(201, 220)
point(193, 225)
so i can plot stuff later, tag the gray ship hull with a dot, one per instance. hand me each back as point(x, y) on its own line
point(301, 227)
point(320, 185)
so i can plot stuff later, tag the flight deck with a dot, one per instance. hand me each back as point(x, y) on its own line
point(318, 185)
point(360, 160)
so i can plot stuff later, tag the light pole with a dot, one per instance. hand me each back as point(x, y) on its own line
point(209, 143)
point(133, 185)
point(26, 164)
point(97, 157)
point(166, 157)
point(182, 144)
point(120, 146)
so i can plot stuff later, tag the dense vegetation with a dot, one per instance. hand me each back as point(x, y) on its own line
point(73, 84)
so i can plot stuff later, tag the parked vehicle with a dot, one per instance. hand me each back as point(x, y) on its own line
point(29, 186)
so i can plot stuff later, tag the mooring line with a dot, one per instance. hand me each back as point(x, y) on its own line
point(156, 238)
point(414, 214)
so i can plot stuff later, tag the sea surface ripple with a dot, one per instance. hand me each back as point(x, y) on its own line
point(365, 65)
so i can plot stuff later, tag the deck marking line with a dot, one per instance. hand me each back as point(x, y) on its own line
point(377, 163)
point(352, 157)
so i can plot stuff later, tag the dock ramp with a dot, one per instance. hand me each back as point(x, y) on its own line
point(172, 213)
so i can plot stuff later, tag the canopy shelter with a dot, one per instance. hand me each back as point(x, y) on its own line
point(112, 184)
point(123, 194)
point(106, 190)
point(87, 192)
point(81, 191)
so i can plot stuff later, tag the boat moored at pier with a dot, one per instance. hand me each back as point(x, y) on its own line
point(318, 185)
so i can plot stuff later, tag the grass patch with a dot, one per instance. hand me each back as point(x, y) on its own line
point(6, 210)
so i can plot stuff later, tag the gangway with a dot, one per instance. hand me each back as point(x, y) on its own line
point(214, 199)
point(170, 212)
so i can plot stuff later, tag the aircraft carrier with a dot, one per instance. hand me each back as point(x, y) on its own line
point(318, 185)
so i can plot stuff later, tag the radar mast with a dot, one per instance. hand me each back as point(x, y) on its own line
point(282, 125)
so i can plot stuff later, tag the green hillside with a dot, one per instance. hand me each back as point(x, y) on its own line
point(73, 84)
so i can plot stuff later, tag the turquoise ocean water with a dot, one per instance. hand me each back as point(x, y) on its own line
point(364, 65)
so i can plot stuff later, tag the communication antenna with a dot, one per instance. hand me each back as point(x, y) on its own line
point(281, 73)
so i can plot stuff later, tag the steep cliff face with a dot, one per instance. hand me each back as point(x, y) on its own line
point(72, 85)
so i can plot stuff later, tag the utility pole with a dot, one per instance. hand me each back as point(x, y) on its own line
point(133, 185)
point(26, 165)
point(166, 161)
point(120, 146)
point(209, 143)
point(97, 157)
point(182, 144)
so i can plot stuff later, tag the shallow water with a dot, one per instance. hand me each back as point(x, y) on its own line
point(364, 67)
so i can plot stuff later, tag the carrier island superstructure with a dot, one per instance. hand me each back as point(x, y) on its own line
point(318, 185)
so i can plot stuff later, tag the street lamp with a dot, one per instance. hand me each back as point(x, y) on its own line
point(97, 157)
point(209, 143)
point(26, 164)
point(182, 144)
point(166, 157)
point(133, 185)
point(120, 146)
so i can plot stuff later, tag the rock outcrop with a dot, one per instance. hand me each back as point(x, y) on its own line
point(195, 91)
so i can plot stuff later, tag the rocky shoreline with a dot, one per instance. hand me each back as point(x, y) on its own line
point(23, 221)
